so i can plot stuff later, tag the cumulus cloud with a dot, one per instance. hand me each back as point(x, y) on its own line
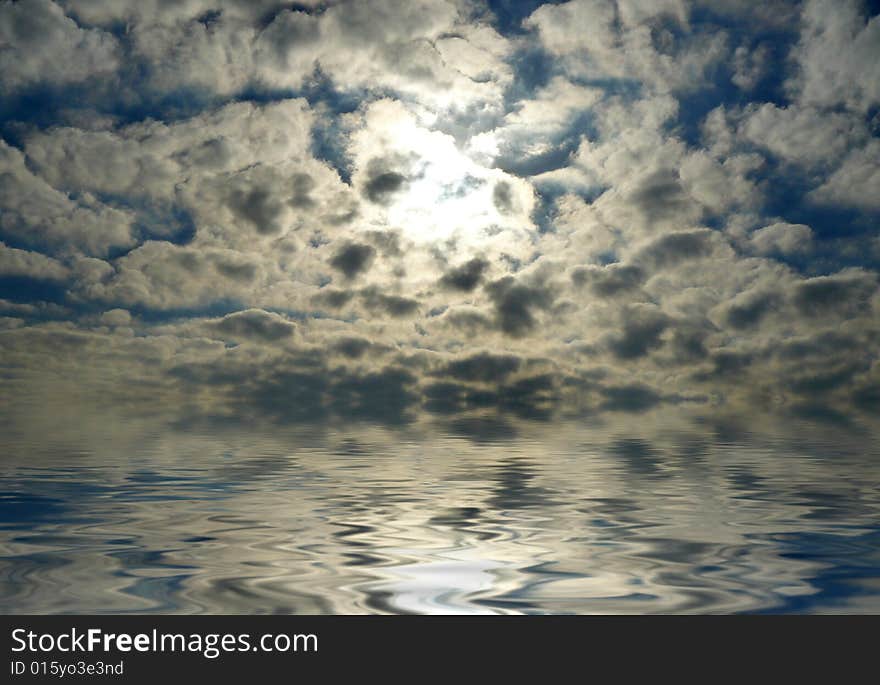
point(15, 262)
point(641, 326)
point(838, 55)
point(802, 135)
point(399, 211)
point(41, 45)
point(35, 213)
point(782, 239)
point(465, 277)
point(353, 258)
point(611, 280)
point(844, 293)
point(599, 39)
point(381, 187)
point(516, 304)
point(254, 324)
point(855, 182)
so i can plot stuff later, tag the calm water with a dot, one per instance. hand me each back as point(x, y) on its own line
point(565, 519)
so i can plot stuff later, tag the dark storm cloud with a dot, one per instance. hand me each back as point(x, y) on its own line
point(465, 277)
point(515, 304)
point(353, 259)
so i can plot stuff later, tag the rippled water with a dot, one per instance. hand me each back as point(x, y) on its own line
point(566, 519)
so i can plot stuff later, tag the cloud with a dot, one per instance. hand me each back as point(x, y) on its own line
point(782, 239)
point(630, 398)
point(747, 309)
point(257, 207)
point(611, 280)
point(672, 248)
point(515, 304)
point(353, 259)
point(353, 348)
point(332, 297)
point(659, 194)
point(641, 327)
point(503, 198)
point(466, 276)
point(161, 275)
point(43, 46)
point(837, 56)
point(844, 293)
point(254, 324)
point(35, 213)
point(381, 187)
point(802, 135)
point(855, 182)
point(392, 305)
point(116, 317)
point(15, 262)
point(425, 211)
point(600, 40)
point(483, 367)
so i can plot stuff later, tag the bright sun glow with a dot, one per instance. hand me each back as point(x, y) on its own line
point(447, 193)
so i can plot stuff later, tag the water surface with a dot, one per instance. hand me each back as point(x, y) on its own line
point(566, 519)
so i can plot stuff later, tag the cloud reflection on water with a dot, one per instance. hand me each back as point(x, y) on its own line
point(562, 519)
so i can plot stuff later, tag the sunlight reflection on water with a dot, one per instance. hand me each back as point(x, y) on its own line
point(576, 520)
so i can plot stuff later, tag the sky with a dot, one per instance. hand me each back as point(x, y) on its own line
point(393, 211)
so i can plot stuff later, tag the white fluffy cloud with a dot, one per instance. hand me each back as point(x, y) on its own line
point(838, 56)
point(15, 262)
point(37, 214)
point(856, 182)
point(40, 44)
point(649, 42)
point(394, 205)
